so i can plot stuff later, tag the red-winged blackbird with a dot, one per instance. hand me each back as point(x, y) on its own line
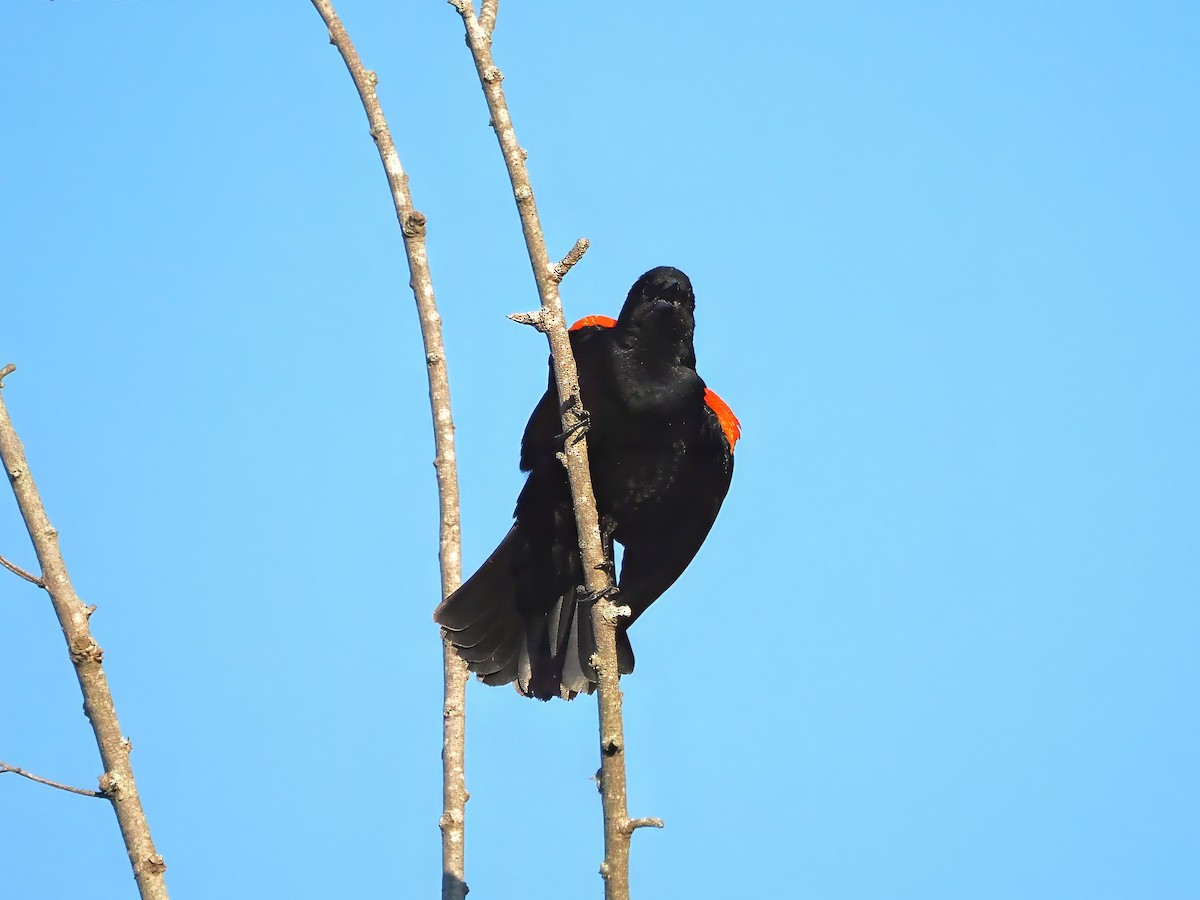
point(661, 451)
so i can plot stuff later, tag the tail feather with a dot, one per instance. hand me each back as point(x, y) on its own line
point(543, 644)
point(533, 658)
point(577, 674)
point(482, 630)
point(502, 676)
point(558, 626)
point(481, 618)
point(495, 651)
point(625, 659)
point(473, 601)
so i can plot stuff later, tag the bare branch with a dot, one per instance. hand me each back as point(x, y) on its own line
point(598, 578)
point(412, 225)
point(17, 570)
point(574, 256)
point(86, 655)
point(536, 319)
point(487, 15)
point(5, 768)
point(633, 824)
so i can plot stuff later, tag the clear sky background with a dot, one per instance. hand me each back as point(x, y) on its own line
point(942, 642)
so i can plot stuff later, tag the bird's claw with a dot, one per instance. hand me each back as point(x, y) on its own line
point(576, 433)
point(577, 430)
point(608, 527)
point(596, 596)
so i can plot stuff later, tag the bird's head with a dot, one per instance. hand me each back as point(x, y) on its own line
point(659, 314)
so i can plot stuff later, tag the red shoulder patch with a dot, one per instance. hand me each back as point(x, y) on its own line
point(729, 422)
point(602, 321)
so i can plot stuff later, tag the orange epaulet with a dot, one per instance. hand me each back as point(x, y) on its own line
point(729, 422)
point(602, 321)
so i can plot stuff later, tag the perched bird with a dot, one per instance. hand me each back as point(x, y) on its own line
point(661, 450)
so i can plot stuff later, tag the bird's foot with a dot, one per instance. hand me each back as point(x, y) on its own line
point(578, 429)
point(608, 526)
point(586, 596)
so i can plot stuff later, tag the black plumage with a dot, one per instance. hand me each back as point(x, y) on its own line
point(661, 450)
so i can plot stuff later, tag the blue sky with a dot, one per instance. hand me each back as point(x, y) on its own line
point(942, 640)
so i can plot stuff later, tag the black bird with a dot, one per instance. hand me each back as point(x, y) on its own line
point(661, 451)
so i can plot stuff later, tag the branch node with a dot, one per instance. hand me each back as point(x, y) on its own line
point(523, 193)
point(492, 75)
point(371, 76)
point(413, 224)
point(611, 612)
point(110, 785)
point(89, 609)
point(155, 864)
point(84, 649)
point(5, 372)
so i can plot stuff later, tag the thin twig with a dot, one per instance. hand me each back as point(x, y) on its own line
point(5, 768)
point(117, 782)
point(598, 578)
point(645, 822)
point(536, 319)
point(17, 570)
point(574, 256)
point(412, 225)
